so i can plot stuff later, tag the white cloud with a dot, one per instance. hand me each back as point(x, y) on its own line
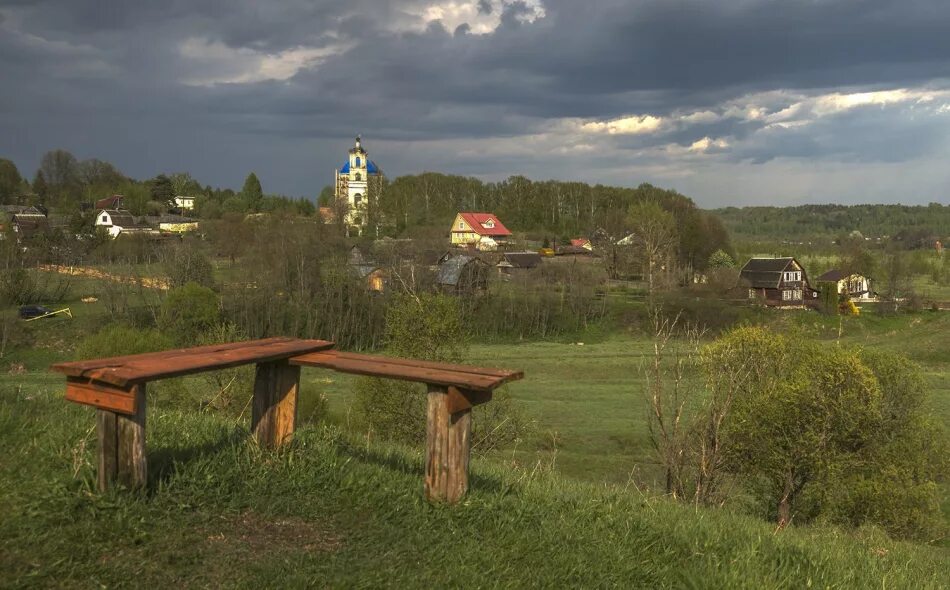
point(217, 63)
point(633, 125)
point(453, 13)
point(703, 145)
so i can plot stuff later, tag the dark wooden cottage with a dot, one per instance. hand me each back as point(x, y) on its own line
point(777, 282)
point(462, 274)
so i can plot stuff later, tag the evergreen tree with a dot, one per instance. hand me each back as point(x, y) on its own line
point(11, 182)
point(252, 192)
point(162, 190)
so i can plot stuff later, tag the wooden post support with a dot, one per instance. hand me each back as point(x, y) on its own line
point(448, 442)
point(274, 412)
point(122, 445)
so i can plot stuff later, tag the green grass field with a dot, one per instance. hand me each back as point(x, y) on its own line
point(333, 511)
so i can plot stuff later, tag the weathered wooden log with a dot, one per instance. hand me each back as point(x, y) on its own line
point(122, 445)
point(274, 411)
point(448, 445)
point(108, 449)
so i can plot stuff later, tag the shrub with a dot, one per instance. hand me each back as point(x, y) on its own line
point(183, 264)
point(121, 339)
point(189, 311)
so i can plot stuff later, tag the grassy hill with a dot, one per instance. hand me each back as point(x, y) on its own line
point(338, 512)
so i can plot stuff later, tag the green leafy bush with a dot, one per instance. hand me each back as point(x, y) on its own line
point(188, 312)
point(121, 339)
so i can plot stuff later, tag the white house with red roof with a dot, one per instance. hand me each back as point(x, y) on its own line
point(482, 230)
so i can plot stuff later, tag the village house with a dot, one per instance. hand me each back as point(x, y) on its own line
point(28, 223)
point(484, 231)
point(779, 282)
point(372, 274)
point(119, 221)
point(518, 261)
point(856, 286)
point(462, 274)
point(184, 203)
point(582, 243)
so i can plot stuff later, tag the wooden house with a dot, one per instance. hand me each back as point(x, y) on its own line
point(484, 231)
point(518, 261)
point(119, 221)
point(461, 274)
point(780, 282)
point(858, 287)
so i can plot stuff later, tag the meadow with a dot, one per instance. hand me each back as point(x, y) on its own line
point(570, 502)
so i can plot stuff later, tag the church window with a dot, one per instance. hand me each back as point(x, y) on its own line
point(357, 198)
point(357, 162)
point(359, 176)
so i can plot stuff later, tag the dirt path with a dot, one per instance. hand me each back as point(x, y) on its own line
point(81, 271)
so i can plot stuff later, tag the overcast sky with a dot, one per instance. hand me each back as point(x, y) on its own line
point(729, 101)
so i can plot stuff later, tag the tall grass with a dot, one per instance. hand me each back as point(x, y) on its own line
point(335, 511)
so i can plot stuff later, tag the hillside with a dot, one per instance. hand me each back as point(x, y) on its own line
point(916, 225)
point(341, 512)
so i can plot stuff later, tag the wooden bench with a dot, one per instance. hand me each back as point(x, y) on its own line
point(116, 388)
point(452, 392)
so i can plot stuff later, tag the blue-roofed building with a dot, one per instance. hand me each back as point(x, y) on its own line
point(354, 182)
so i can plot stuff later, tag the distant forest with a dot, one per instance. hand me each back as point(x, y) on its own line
point(914, 226)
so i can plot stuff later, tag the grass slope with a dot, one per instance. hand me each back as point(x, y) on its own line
point(331, 511)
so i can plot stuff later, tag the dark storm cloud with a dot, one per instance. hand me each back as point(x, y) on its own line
point(215, 70)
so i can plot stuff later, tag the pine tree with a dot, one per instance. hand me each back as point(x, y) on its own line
point(252, 192)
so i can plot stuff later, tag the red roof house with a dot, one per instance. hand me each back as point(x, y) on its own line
point(483, 230)
point(582, 243)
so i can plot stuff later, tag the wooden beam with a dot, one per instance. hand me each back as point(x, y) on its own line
point(274, 408)
point(132, 471)
point(460, 399)
point(448, 448)
point(108, 450)
point(100, 395)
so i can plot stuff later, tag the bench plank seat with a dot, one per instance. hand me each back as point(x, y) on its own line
point(125, 371)
point(445, 374)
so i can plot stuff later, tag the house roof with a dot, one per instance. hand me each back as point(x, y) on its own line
point(764, 272)
point(579, 242)
point(521, 259)
point(450, 269)
point(113, 202)
point(123, 219)
point(833, 275)
point(477, 222)
point(15, 209)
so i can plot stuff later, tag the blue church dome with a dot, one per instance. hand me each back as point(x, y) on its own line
point(371, 167)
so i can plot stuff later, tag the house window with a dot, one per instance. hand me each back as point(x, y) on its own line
point(489, 224)
point(786, 295)
point(461, 225)
point(791, 277)
point(105, 218)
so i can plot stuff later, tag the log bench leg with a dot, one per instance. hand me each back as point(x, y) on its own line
point(274, 411)
point(122, 445)
point(448, 445)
